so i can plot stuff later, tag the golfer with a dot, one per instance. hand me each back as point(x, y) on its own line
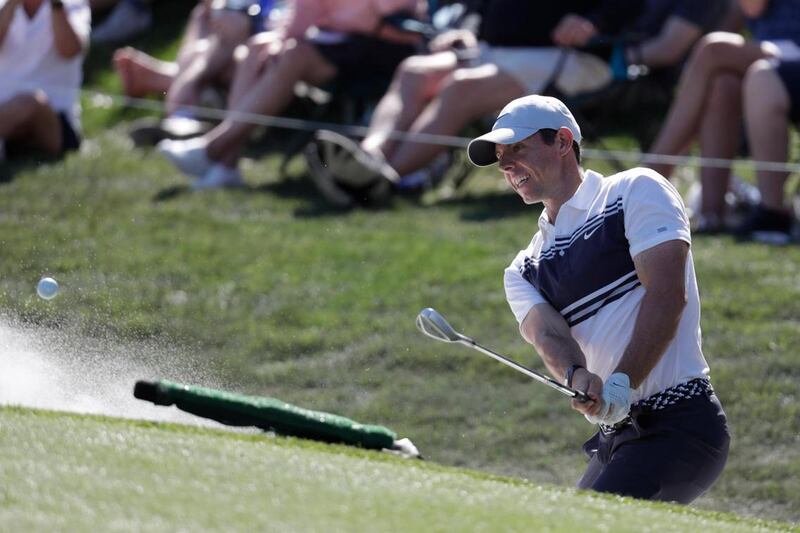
point(606, 293)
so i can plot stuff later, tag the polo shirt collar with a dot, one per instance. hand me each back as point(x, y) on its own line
point(581, 200)
point(587, 191)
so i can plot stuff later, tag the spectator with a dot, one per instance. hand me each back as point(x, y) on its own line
point(709, 106)
point(438, 94)
point(42, 44)
point(277, 60)
point(771, 99)
point(204, 60)
point(127, 19)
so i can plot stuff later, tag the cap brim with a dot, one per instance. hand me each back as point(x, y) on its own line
point(482, 150)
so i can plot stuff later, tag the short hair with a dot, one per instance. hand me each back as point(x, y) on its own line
point(549, 138)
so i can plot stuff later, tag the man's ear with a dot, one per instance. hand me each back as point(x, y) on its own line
point(564, 139)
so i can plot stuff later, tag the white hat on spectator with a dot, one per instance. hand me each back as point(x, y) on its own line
point(518, 120)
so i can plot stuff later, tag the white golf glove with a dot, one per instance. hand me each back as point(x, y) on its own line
point(617, 400)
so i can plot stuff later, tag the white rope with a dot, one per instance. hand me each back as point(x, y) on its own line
point(103, 99)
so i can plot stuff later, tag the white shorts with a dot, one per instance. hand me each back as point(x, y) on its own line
point(534, 67)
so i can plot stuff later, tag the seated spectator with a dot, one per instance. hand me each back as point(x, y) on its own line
point(351, 42)
point(204, 60)
point(771, 100)
point(441, 93)
point(708, 107)
point(127, 19)
point(42, 45)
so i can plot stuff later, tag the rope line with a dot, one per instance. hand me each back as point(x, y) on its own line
point(104, 99)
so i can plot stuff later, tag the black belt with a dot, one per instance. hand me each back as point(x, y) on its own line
point(662, 400)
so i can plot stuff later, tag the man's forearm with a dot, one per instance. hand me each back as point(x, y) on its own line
point(66, 41)
point(6, 16)
point(656, 325)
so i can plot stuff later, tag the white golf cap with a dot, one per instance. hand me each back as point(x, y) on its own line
point(518, 120)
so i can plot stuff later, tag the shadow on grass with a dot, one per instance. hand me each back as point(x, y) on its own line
point(29, 160)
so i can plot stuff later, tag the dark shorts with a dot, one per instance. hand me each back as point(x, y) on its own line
point(789, 72)
point(70, 140)
point(361, 57)
point(673, 454)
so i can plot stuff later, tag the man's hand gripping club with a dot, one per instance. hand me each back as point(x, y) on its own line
point(609, 403)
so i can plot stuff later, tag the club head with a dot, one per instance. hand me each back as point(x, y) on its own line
point(435, 326)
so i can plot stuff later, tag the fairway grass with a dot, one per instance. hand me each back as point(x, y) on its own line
point(82, 473)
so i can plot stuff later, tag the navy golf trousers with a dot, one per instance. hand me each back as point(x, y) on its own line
point(672, 454)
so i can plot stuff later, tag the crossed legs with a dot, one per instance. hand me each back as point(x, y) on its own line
point(717, 54)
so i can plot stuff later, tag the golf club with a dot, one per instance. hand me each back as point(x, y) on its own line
point(432, 324)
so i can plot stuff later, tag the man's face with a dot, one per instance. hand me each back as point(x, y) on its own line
point(530, 167)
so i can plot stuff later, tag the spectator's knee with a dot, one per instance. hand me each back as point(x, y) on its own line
point(458, 94)
point(711, 45)
point(764, 88)
point(420, 76)
point(30, 102)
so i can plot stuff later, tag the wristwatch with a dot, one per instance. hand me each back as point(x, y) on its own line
point(57, 4)
point(570, 371)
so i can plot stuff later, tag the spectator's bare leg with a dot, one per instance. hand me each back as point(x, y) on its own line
point(30, 119)
point(766, 105)
point(142, 74)
point(272, 92)
point(416, 82)
point(250, 65)
point(720, 137)
point(198, 28)
point(715, 53)
point(209, 61)
point(468, 94)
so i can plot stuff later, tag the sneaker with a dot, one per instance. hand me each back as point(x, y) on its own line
point(150, 131)
point(219, 177)
point(350, 164)
point(766, 226)
point(339, 188)
point(125, 21)
point(324, 181)
point(429, 177)
point(189, 155)
point(707, 225)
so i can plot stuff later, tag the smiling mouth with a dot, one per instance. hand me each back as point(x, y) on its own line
point(520, 180)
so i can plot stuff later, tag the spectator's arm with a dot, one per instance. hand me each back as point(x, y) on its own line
point(753, 8)
point(6, 16)
point(67, 42)
point(573, 31)
point(667, 48)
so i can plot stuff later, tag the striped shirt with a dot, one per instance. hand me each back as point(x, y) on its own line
point(583, 267)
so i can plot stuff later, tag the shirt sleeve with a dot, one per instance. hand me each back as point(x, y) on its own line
point(80, 18)
point(654, 213)
point(520, 294)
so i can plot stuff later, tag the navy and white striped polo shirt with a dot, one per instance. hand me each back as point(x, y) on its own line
point(583, 267)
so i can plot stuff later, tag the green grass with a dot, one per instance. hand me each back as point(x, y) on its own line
point(74, 473)
point(271, 292)
point(279, 295)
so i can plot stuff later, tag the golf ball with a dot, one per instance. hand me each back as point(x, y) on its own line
point(47, 288)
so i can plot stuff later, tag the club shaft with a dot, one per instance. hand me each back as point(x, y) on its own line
point(572, 393)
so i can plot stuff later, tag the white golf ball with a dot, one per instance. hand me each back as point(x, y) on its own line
point(47, 288)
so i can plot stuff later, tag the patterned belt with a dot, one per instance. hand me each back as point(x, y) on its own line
point(665, 398)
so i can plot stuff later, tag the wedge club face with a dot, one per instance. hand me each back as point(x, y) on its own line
point(435, 326)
